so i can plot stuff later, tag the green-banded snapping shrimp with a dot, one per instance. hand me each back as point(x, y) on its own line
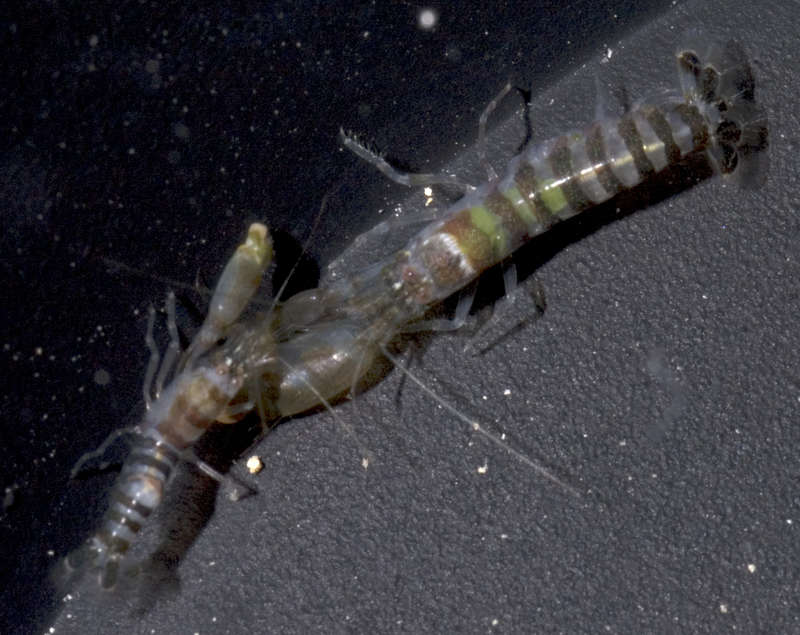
point(318, 344)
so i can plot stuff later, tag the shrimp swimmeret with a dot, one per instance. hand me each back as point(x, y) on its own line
point(319, 344)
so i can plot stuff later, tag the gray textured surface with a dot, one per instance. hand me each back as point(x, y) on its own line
point(661, 382)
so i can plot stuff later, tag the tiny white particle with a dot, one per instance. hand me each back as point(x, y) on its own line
point(484, 468)
point(751, 568)
point(255, 464)
point(723, 608)
point(427, 19)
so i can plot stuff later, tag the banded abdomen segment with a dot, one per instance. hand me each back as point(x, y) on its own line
point(136, 494)
point(548, 183)
point(180, 415)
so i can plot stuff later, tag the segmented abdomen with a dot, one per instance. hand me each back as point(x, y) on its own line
point(136, 494)
point(551, 182)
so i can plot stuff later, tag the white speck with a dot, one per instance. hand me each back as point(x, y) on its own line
point(427, 19)
point(507, 392)
point(364, 462)
point(723, 608)
point(484, 468)
point(751, 568)
point(495, 622)
point(255, 464)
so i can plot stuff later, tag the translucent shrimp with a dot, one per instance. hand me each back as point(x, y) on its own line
point(326, 340)
point(199, 394)
point(320, 343)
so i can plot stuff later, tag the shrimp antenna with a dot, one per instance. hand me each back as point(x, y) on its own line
point(304, 250)
point(477, 427)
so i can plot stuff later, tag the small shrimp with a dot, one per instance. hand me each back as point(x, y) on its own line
point(205, 383)
point(326, 339)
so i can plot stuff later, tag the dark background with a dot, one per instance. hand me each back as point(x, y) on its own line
point(139, 141)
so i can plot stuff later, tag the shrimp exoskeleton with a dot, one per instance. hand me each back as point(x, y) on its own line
point(337, 332)
point(206, 381)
